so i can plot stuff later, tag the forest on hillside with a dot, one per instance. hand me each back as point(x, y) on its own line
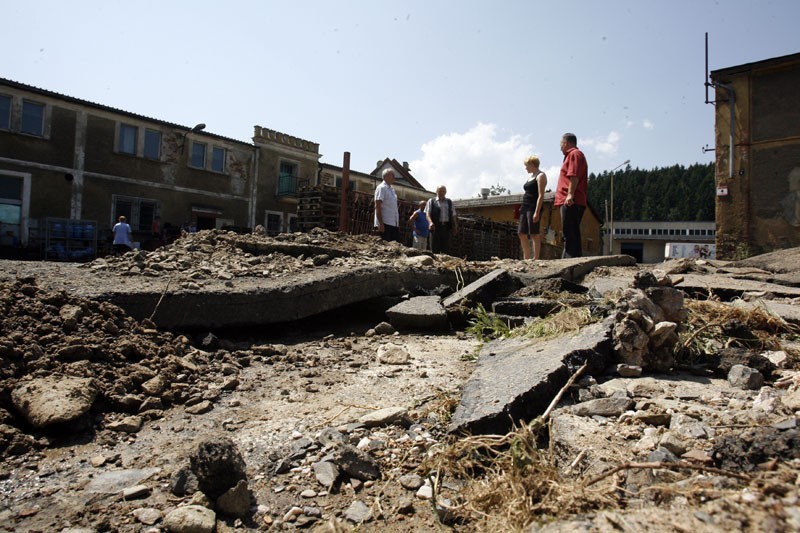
point(675, 193)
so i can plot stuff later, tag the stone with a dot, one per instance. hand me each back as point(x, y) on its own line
point(393, 354)
point(326, 473)
point(744, 377)
point(664, 334)
point(135, 492)
point(200, 408)
point(671, 442)
point(539, 307)
point(129, 424)
point(218, 466)
point(358, 512)
point(236, 501)
point(54, 400)
point(147, 515)
point(115, 481)
point(411, 481)
point(356, 463)
point(670, 302)
point(384, 417)
point(425, 492)
point(689, 428)
point(191, 519)
point(183, 482)
point(629, 371)
point(384, 328)
point(613, 406)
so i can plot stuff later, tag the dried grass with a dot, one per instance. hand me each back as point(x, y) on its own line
point(707, 318)
point(510, 482)
point(567, 320)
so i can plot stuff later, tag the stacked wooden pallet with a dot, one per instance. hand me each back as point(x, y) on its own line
point(318, 207)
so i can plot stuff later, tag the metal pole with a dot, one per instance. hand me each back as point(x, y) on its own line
point(343, 215)
point(611, 245)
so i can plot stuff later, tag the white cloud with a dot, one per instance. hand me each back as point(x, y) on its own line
point(477, 158)
point(648, 125)
point(607, 146)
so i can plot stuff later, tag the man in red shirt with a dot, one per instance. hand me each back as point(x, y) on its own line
point(573, 183)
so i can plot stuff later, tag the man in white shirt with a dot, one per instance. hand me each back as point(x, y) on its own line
point(387, 216)
point(445, 221)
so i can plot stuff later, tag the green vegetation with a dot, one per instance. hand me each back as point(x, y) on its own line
point(675, 193)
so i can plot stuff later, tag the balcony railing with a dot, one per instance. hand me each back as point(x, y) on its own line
point(287, 185)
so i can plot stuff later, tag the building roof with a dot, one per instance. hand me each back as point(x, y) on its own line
point(508, 199)
point(757, 65)
point(71, 99)
point(404, 174)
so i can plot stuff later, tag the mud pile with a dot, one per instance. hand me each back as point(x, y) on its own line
point(225, 255)
point(131, 368)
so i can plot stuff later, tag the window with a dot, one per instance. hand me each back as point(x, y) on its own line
point(218, 159)
point(198, 155)
point(32, 118)
point(140, 212)
point(273, 221)
point(287, 179)
point(5, 112)
point(152, 144)
point(127, 139)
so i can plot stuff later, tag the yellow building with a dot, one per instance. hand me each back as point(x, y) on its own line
point(505, 208)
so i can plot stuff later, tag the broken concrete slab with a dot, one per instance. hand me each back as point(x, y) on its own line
point(484, 290)
point(420, 312)
point(788, 312)
point(729, 288)
point(516, 379)
point(573, 269)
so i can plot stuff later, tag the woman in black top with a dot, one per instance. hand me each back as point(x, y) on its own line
point(530, 211)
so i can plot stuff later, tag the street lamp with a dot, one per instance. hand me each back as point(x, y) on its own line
point(198, 127)
point(611, 225)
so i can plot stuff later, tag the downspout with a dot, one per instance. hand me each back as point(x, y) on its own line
point(254, 189)
point(732, 105)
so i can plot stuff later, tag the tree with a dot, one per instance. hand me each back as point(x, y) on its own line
point(497, 190)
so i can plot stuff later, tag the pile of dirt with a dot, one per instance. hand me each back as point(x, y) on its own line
point(225, 255)
point(131, 368)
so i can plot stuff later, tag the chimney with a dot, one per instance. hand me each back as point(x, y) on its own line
point(485, 193)
point(405, 166)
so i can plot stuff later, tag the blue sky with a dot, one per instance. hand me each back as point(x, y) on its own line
point(463, 91)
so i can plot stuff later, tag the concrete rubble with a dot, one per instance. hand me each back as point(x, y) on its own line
point(92, 349)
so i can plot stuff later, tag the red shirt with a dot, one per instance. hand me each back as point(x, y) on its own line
point(574, 165)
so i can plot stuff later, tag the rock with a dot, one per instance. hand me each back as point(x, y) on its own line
point(613, 406)
point(411, 481)
point(115, 481)
point(356, 463)
point(629, 371)
point(384, 328)
point(425, 492)
point(154, 386)
point(743, 377)
point(129, 424)
point(135, 492)
point(53, 400)
point(689, 428)
point(393, 354)
point(663, 333)
point(200, 408)
point(147, 515)
point(218, 466)
point(778, 358)
point(672, 443)
point(183, 482)
point(358, 512)
point(326, 473)
point(670, 301)
point(384, 417)
point(236, 501)
point(191, 519)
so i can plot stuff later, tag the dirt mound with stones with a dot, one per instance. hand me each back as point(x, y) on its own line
point(128, 368)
